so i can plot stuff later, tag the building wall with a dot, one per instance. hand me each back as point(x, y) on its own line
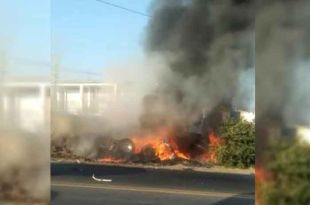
point(27, 106)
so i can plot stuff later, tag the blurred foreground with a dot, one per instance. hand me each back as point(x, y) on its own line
point(282, 102)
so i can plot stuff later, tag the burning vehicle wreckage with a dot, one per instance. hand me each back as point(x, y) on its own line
point(194, 145)
point(163, 146)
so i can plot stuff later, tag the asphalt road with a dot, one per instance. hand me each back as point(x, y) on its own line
point(73, 184)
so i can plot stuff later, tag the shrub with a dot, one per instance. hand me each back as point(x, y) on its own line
point(290, 174)
point(238, 147)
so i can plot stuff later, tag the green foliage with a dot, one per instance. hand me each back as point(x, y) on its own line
point(238, 147)
point(289, 165)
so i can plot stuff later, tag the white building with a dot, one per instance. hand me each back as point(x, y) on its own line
point(84, 97)
point(27, 105)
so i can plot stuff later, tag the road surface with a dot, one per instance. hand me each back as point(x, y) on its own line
point(73, 184)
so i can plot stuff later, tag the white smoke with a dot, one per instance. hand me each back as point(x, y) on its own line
point(135, 79)
point(245, 97)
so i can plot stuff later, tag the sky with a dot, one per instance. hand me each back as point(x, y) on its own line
point(84, 35)
point(25, 36)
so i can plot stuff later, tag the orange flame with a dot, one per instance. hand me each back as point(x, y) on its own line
point(177, 152)
point(163, 144)
point(261, 176)
point(153, 140)
point(208, 157)
point(164, 152)
point(214, 141)
point(182, 155)
point(110, 160)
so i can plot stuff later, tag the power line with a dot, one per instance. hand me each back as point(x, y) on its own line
point(123, 8)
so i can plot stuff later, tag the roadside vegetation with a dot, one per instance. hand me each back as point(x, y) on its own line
point(238, 144)
point(289, 174)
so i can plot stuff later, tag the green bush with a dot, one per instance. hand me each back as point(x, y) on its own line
point(288, 162)
point(238, 147)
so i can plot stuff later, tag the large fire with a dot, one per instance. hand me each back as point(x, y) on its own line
point(214, 142)
point(164, 146)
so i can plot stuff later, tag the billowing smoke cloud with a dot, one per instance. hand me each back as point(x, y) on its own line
point(282, 61)
point(135, 78)
point(245, 97)
point(208, 48)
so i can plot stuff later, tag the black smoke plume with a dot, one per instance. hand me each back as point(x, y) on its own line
point(205, 45)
